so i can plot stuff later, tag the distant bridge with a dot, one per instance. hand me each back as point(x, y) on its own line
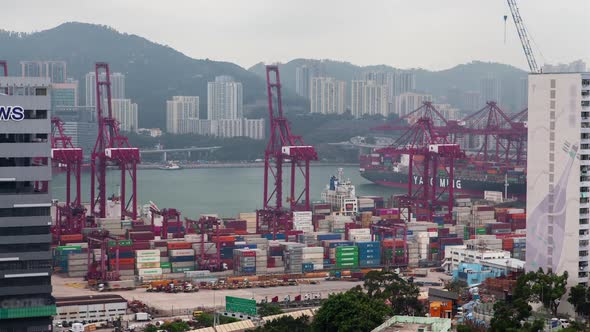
point(188, 151)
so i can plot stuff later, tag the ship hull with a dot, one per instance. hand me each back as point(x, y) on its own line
point(470, 187)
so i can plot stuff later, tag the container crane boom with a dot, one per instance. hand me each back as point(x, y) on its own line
point(523, 35)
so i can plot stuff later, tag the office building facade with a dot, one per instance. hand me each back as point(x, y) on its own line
point(224, 99)
point(558, 200)
point(64, 95)
point(25, 238)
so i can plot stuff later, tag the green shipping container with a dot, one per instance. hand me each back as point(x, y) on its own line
point(165, 265)
point(351, 264)
point(480, 231)
point(347, 259)
point(347, 249)
point(182, 269)
point(434, 250)
point(346, 254)
point(399, 252)
point(122, 243)
point(66, 248)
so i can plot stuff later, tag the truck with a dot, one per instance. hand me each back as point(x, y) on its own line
point(116, 285)
point(142, 316)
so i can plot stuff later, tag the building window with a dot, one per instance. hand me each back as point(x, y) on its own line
point(552, 95)
point(553, 84)
point(24, 212)
point(41, 92)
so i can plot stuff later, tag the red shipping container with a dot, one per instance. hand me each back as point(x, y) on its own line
point(248, 253)
point(121, 249)
point(443, 231)
point(433, 229)
point(485, 208)
point(141, 245)
point(125, 267)
point(142, 228)
point(293, 232)
point(141, 236)
point(122, 261)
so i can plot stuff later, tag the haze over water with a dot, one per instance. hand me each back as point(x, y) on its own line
point(225, 191)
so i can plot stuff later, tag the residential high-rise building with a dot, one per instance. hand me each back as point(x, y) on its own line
point(180, 112)
point(379, 77)
point(126, 114)
point(558, 200)
point(302, 78)
point(64, 95)
point(576, 66)
point(224, 99)
point(472, 101)
point(117, 87)
point(489, 89)
point(399, 82)
point(25, 218)
point(327, 95)
point(56, 71)
point(230, 128)
point(357, 89)
point(254, 128)
point(409, 101)
point(375, 99)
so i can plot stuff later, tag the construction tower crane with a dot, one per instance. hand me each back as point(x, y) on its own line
point(111, 148)
point(523, 35)
point(283, 148)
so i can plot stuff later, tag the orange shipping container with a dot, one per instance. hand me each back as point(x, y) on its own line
point(507, 243)
point(179, 245)
point(518, 216)
point(71, 237)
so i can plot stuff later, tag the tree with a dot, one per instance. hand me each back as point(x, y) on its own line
point(547, 288)
point(457, 286)
point(508, 315)
point(579, 297)
point(352, 311)
point(286, 323)
point(269, 309)
point(389, 286)
point(176, 326)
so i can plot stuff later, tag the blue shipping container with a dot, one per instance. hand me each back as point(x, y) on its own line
point(369, 262)
point(341, 244)
point(178, 259)
point(251, 269)
point(279, 236)
point(332, 236)
point(370, 244)
point(243, 246)
point(409, 232)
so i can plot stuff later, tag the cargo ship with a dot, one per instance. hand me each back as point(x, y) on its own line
point(471, 177)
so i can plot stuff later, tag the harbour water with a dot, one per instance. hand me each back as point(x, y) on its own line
point(225, 191)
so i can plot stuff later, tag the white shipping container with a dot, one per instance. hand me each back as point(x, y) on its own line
point(146, 253)
point(148, 272)
point(148, 259)
point(181, 252)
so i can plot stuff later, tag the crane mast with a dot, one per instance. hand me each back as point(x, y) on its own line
point(523, 35)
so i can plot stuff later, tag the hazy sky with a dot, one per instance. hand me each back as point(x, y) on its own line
point(433, 34)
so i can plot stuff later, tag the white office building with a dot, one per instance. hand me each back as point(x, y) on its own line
point(327, 95)
point(558, 200)
point(125, 112)
point(399, 82)
point(224, 99)
point(182, 112)
point(455, 255)
point(368, 98)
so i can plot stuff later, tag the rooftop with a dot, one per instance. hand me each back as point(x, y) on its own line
point(412, 324)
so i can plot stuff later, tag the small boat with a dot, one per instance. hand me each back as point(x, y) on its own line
point(171, 166)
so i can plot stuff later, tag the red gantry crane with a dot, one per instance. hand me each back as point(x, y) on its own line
point(111, 148)
point(283, 148)
point(209, 253)
point(430, 169)
point(70, 217)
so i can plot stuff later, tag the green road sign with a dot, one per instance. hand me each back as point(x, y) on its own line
point(238, 304)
